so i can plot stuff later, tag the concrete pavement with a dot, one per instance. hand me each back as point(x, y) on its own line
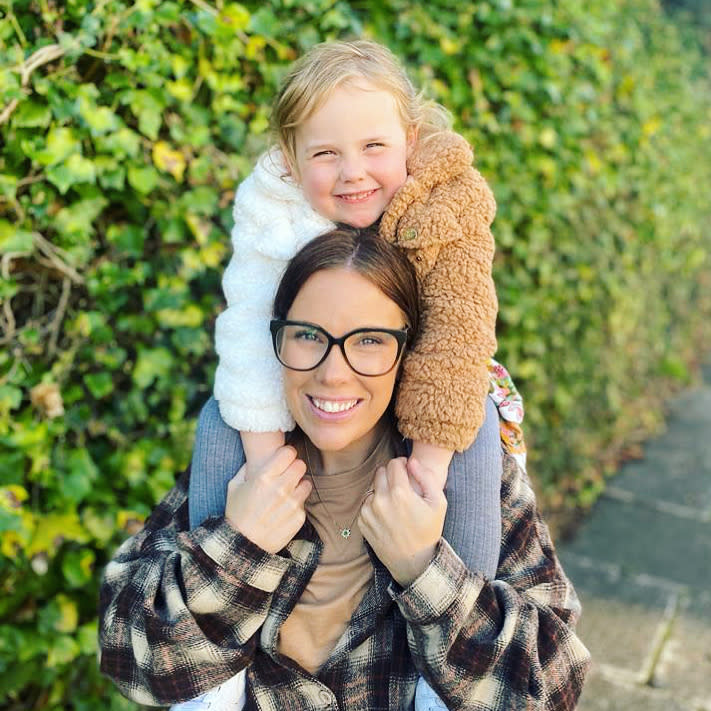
point(641, 563)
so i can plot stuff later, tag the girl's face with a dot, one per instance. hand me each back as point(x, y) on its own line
point(336, 408)
point(351, 154)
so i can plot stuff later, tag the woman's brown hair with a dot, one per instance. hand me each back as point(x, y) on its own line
point(359, 250)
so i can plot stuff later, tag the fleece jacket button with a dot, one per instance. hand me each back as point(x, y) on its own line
point(409, 233)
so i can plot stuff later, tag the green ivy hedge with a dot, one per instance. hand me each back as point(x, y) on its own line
point(126, 127)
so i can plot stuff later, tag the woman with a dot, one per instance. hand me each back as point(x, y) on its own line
point(282, 584)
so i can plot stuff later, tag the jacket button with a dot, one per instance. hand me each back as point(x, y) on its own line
point(409, 233)
point(325, 697)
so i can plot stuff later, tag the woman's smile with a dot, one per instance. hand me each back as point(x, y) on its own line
point(333, 407)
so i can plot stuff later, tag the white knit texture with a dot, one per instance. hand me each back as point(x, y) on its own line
point(272, 221)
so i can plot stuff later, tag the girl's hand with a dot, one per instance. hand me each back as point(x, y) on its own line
point(268, 509)
point(402, 526)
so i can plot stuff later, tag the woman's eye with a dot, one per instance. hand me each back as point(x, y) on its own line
point(307, 335)
point(370, 340)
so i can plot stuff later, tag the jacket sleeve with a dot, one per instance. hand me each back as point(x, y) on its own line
point(248, 379)
point(445, 376)
point(179, 610)
point(272, 220)
point(503, 644)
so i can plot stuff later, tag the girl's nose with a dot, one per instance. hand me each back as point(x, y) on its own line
point(352, 168)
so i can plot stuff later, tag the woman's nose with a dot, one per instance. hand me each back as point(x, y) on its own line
point(335, 368)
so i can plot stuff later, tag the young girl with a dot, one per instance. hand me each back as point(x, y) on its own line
point(357, 144)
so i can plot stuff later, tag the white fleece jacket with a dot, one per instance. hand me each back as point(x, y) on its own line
point(272, 221)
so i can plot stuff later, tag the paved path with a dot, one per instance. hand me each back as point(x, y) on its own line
point(641, 564)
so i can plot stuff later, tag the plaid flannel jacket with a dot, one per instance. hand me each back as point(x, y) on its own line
point(182, 611)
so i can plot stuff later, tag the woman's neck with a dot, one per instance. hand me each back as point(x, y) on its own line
point(334, 462)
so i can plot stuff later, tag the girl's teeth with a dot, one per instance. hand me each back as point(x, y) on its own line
point(331, 406)
point(356, 196)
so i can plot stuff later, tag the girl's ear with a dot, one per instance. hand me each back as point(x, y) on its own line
point(290, 165)
point(291, 171)
point(412, 134)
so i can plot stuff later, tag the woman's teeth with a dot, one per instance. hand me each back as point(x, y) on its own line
point(334, 406)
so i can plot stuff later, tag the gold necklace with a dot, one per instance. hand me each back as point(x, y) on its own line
point(344, 531)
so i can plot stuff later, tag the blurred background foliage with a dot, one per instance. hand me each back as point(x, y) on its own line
point(126, 126)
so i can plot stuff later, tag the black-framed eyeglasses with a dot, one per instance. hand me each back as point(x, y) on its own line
point(300, 345)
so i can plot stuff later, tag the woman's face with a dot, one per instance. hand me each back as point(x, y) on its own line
point(336, 408)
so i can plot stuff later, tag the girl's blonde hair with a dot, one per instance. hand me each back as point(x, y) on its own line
point(329, 65)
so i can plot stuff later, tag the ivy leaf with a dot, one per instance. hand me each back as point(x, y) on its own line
point(100, 119)
point(31, 114)
point(151, 364)
point(10, 398)
point(149, 112)
point(76, 169)
point(169, 160)
point(127, 237)
point(233, 18)
point(13, 239)
point(77, 220)
point(8, 186)
point(61, 143)
point(78, 567)
point(143, 179)
point(100, 384)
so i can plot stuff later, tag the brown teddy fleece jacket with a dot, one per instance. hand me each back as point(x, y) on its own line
point(441, 218)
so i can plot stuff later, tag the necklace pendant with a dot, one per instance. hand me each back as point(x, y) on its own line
point(346, 533)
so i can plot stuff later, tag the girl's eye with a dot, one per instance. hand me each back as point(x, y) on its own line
point(375, 145)
point(323, 154)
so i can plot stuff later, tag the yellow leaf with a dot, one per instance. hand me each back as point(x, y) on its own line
point(213, 254)
point(199, 228)
point(651, 126)
point(560, 46)
point(168, 160)
point(68, 614)
point(10, 544)
point(12, 496)
point(191, 317)
point(548, 137)
point(52, 530)
point(254, 47)
point(181, 89)
point(130, 521)
point(594, 162)
point(449, 46)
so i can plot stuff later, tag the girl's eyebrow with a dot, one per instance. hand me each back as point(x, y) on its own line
point(323, 145)
point(318, 146)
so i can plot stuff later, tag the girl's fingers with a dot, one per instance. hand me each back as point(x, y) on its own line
point(278, 463)
point(380, 483)
point(424, 478)
point(302, 491)
point(397, 474)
